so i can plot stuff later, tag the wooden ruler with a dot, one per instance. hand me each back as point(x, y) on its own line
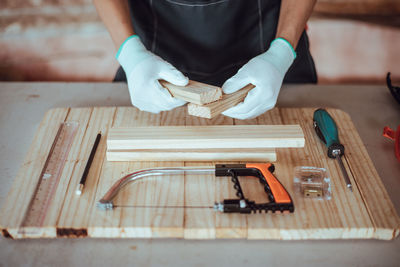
point(49, 178)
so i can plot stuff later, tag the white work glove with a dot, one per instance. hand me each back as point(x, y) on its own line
point(143, 69)
point(265, 72)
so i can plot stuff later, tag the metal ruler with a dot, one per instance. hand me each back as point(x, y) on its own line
point(49, 178)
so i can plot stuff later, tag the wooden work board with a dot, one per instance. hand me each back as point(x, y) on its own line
point(365, 213)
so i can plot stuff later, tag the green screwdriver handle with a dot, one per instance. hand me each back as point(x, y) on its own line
point(327, 131)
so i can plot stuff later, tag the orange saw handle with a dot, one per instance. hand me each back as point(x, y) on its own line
point(277, 189)
point(279, 198)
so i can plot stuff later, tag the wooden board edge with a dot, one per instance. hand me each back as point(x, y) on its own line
point(35, 233)
point(231, 233)
point(199, 233)
point(5, 233)
point(386, 234)
point(261, 156)
point(200, 111)
point(208, 95)
point(311, 234)
point(213, 109)
point(135, 232)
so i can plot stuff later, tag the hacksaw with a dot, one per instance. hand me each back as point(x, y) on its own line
point(279, 198)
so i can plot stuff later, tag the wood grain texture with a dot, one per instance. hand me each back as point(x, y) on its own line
point(365, 213)
point(317, 219)
point(82, 116)
point(380, 209)
point(200, 190)
point(17, 201)
point(256, 155)
point(156, 191)
point(195, 92)
point(74, 215)
point(201, 137)
point(213, 109)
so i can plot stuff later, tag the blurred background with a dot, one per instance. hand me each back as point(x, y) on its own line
point(352, 41)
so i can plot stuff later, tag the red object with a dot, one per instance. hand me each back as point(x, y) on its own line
point(395, 136)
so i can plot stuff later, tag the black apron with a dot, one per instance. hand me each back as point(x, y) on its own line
point(210, 40)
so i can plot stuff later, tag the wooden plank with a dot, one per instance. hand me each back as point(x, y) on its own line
point(213, 109)
point(107, 223)
point(21, 192)
point(170, 189)
point(202, 137)
point(132, 220)
point(344, 216)
point(200, 190)
point(373, 193)
point(256, 155)
point(276, 225)
point(49, 227)
point(74, 218)
point(228, 225)
point(82, 116)
point(231, 225)
point(194, 92)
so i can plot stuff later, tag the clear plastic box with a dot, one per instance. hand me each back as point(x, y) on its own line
point(312, 182)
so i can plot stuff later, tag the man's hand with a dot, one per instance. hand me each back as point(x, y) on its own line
point(143, 70)
point(265, 72)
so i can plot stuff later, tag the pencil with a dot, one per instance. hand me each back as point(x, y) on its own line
point(88, 164)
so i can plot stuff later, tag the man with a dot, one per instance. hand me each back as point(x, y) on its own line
point(221, 42)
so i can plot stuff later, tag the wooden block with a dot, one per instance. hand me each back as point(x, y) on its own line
point(194, 92)
point(255, 155)
point(213, 109)
point(202, 137)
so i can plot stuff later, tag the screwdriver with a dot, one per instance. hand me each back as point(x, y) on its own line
point(327, 131)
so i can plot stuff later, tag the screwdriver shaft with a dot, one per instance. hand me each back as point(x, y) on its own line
point(345, 175)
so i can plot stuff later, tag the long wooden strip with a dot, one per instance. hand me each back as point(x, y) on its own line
point(256, 155)
point(82, 116)
point(194, 92)
point(215, 108)
point(202, 137)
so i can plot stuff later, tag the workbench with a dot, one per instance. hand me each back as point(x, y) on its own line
point(22, 106)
